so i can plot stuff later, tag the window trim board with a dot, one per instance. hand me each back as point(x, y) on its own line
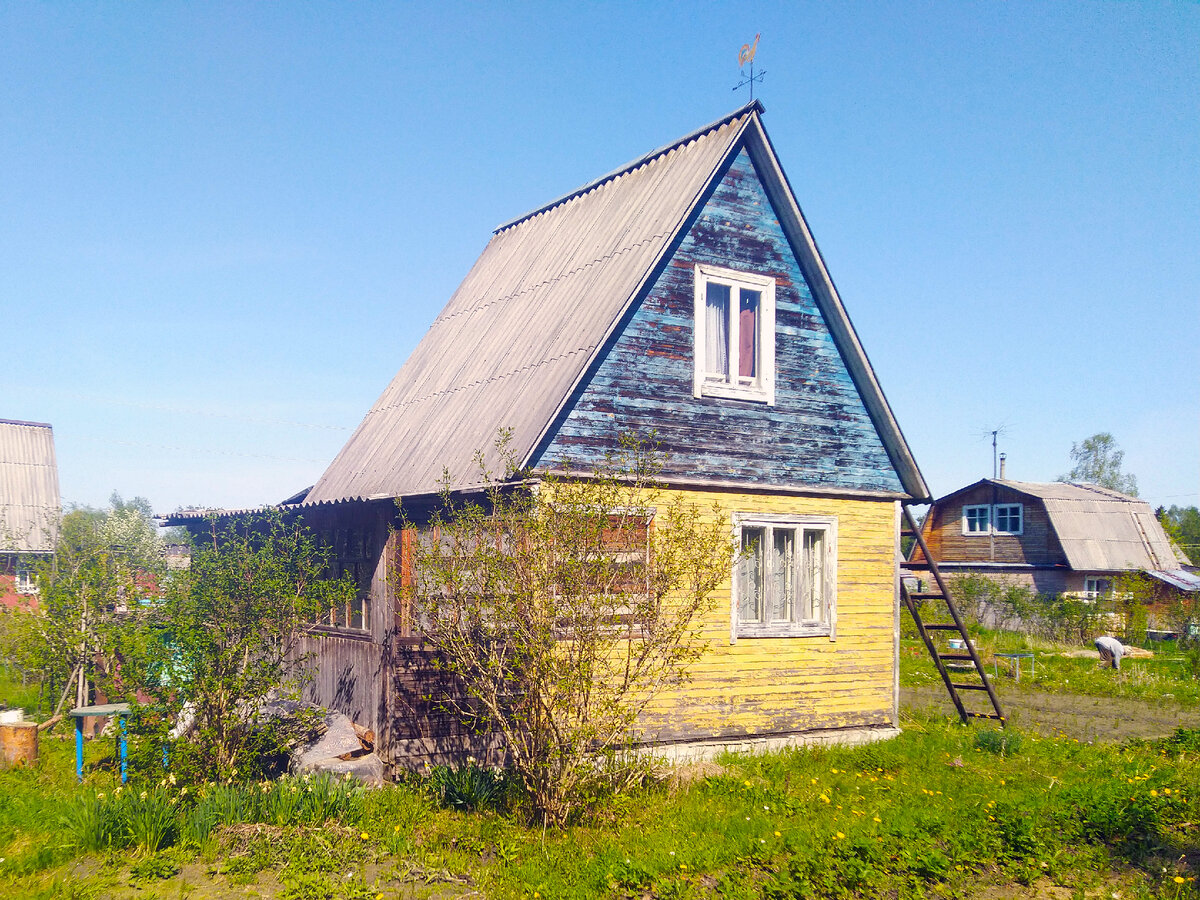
point(826, 628)
point(764, 390)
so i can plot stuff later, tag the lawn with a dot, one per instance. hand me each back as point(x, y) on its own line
point(1166, 677)
point(942, 811)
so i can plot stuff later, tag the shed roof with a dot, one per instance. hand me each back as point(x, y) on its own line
point(29, 500)
point(541, 302)
point(1100, 530)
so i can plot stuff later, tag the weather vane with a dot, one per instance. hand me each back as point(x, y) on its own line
point(746, 55)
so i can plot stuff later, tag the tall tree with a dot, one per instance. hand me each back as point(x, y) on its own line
point(1098, 460)
point(1182, 523)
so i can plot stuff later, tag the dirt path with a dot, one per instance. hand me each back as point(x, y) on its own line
point(1085, 718)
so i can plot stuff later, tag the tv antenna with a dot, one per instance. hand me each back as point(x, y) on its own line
point(995, 432)
point(746, 55)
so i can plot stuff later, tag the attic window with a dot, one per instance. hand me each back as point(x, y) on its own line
point(1003, 518)
point(735, 335)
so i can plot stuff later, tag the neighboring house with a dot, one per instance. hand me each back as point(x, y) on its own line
point(29, 506)
point(681, 294)
point(1054, 538)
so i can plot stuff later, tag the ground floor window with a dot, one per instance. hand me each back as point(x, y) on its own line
point(1096, 588)
point(785, 579)
point(352, 552)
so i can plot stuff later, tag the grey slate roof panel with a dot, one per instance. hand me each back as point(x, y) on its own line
point(29, 500)
point(522, 326)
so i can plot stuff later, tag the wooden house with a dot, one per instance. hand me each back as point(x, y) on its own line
point(682, 294)
point(1053, 538)
point(29, 506)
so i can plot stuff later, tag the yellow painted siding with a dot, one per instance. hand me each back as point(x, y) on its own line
point(763, 686)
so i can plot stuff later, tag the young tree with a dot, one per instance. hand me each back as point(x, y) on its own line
point(1098, 461)
point(560, 609)
point(231, 624)
point(105, 563)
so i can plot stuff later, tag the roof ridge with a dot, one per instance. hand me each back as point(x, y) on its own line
point(754, 106)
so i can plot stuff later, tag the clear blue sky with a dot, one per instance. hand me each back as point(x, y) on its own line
point(223, 227)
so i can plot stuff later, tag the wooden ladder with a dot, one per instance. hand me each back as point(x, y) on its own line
point(928, 631)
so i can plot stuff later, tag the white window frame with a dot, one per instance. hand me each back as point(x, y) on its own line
point(826, 626)
point(1091, 591)
point(1019, 507)
point(24, 578)
point(967, 518)
point(990, 517)
point(760, 389)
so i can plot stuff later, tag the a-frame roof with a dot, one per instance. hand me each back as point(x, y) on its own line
point(542, 301)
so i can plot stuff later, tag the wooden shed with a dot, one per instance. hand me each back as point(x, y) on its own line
point(682, 294)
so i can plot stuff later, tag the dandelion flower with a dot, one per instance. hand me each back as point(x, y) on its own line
point(777, 834)
point(823, 799)
point(745, 784)
point(839, 835)
point(364, 835)
point(1179, 879)
point(1154, 793)
point(683, 866)
point(876, 819)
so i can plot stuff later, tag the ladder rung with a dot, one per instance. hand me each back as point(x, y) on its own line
point(969, 687)
point(927, 595)
point(941, 626)
point(956, 656)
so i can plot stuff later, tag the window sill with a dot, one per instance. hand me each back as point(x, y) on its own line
point(735, 392)
point(783, 630)
point(354, 634)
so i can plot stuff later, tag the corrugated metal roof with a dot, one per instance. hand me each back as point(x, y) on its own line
point(1179, 578)
point(1101, 529)
point(537, 306)
point(29, 499)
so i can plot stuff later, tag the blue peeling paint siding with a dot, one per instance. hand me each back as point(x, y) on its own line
point(817, 434)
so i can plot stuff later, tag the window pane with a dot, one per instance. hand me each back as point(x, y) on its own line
point(716, 331)
point(748, 333)
point(750, 575)
point(781, 592)
point(356, 612)
point(812, 576)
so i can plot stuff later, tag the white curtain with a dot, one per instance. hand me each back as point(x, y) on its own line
point(716, 331)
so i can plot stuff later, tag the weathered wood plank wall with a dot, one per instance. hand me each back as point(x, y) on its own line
point(754, 687)
point(818, 433)
point(765, 686)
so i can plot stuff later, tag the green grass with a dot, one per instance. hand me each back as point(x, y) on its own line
point(1165, 678)
point(938, 812)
